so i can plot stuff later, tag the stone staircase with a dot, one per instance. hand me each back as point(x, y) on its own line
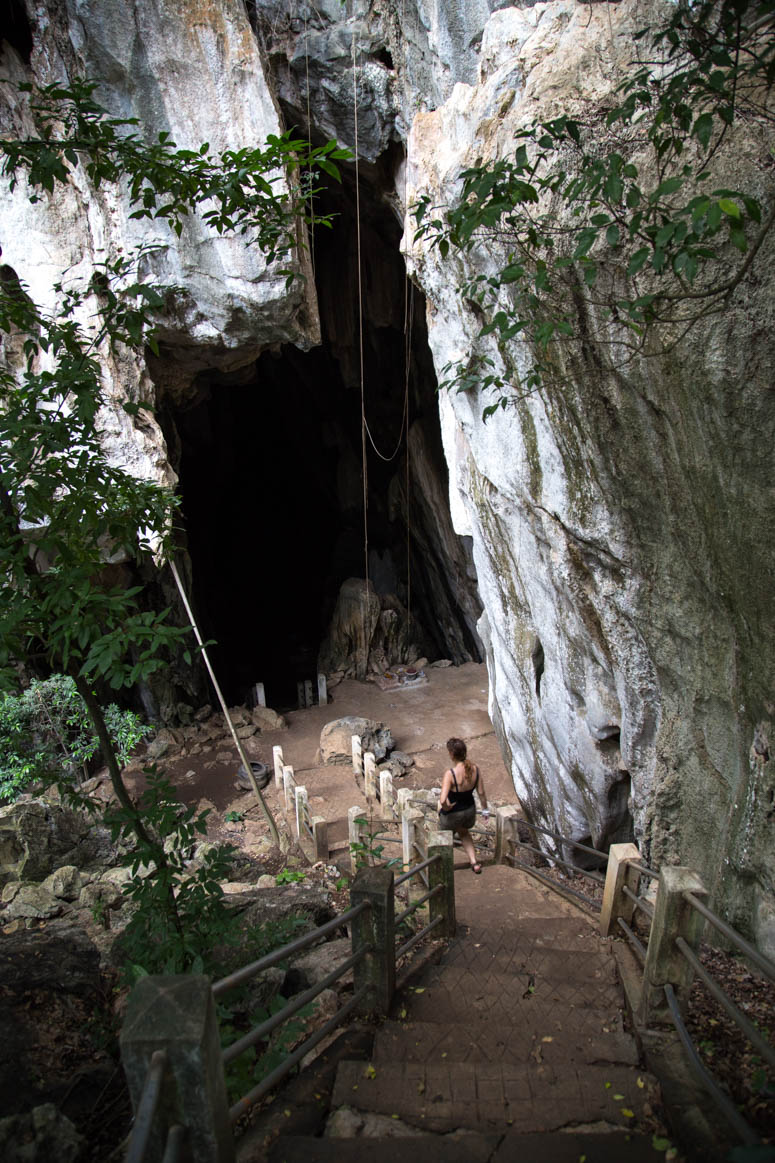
point(512, 1047)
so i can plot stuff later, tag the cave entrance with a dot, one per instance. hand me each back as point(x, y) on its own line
point(270, 467)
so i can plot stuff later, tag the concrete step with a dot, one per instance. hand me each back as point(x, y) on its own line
point(508, 955)
point(493, 1097)
point(444, 994)
point(527, 933)
point(565, 1147)
point(488, 1041)
point(431, 1148)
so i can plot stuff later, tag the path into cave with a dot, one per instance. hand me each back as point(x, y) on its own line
point(270, 469)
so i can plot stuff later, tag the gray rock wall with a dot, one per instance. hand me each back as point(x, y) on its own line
point(620, 521)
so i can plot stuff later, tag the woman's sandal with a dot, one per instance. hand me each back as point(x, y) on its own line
point(477, 868)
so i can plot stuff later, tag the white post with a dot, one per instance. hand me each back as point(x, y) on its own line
point(322, 690)
point(354, 833)
point(260, 695)
point(409, 821)
point(404, 796)
point(288, 785)
point(307, 692)
point(319, 838)
point(357, 755)
point(277, 757)
point(370, 775)
point(387, 797)
point(301, 803)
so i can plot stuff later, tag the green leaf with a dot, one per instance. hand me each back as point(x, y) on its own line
point(729, 207)
point(638, 260)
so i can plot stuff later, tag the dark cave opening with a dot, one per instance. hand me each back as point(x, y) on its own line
point(270, 468)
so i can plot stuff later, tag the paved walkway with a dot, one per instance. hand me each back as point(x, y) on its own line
point(518, 1033)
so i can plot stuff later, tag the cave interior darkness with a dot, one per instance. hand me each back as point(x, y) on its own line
point(270, 466)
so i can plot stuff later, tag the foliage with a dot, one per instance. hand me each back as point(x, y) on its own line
point(290, 876)
point(159, 939)
point(615, 233)
point(46, 734)
point(366, 851)
point(234, 817)
point(248, 190)
point(66, 510)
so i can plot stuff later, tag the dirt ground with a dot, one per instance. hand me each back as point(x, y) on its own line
point(454, 702)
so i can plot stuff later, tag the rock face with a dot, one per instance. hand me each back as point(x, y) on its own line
point(620, 524)
point(626, 595)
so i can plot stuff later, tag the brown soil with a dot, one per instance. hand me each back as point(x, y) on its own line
point(454, 702)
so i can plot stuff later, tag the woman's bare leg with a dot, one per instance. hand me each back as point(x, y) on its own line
point(467, 844)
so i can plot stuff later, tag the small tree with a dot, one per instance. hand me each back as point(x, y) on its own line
point(64, 507)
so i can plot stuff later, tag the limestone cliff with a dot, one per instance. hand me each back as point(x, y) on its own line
point(620, 523)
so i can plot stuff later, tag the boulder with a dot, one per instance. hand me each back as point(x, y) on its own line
point(65, 883)
point(37, 837)
point(31, 901)
point(315, 964)
point(336, 739)
point(268, 720)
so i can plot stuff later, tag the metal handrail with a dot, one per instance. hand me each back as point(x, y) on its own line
point(728, 1108)
point(564, 888)
point(176, 1140)
point(146, 1108)
point(637, 945)
point(414, 870)
point(749, 1029)
point(767, 967)
point(258, 1033)
point(639, 901)
point(421, 900)
point(565, 840)
point(410, 944)
point(246, 1102)
point(588, 872)
point(644, 870)
point(240, 976)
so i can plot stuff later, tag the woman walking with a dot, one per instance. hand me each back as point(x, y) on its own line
point(457, 810)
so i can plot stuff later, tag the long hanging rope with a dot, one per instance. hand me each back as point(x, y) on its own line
point(237, 741)
point(309, 134)
point(364, 465)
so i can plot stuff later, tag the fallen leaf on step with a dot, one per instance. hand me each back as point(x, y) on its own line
point(547, 1039)
point(628, 1114)
point(618, 1098)
point(421, 1088)
point(370, 1072)
point(640, 1083)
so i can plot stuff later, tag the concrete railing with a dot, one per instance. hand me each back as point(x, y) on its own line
point(170, 1044)
point(675, 918)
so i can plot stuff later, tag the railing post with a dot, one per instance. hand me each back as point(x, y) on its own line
point(357, 754)
point(442, 872)
point(322, 691)
point(410, 817)
point(505, 823)
point(320, 849)
point(288, 785)
point(375, 928)
point(301, 805)
point(354, 833)
point(386, 795)
point(177, 1014)
point(665, 964)
point(279, 762)
point(369, 776)
point(619, 872)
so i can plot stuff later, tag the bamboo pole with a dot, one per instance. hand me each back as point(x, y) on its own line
point(237, 741)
